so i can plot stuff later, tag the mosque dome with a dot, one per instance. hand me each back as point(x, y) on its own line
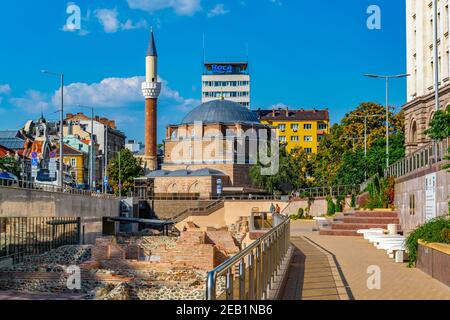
point(223, 111)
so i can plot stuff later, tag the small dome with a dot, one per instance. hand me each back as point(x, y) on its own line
point(220, 111)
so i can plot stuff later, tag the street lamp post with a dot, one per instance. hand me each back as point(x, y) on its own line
point(387, 105)
point(365, 132)
point(120, 181)
point(91, 160)
point(61, 128)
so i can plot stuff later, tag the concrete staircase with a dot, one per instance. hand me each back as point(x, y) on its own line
point(350, 222)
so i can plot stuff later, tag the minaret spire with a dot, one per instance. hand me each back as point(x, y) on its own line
point(151, 52)
point(151, 89)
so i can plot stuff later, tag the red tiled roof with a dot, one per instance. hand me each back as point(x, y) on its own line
point(68, 150)
point(5, 151)
point(294, 115)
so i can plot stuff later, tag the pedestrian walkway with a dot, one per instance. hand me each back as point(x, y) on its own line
point(348, 260)
point(310, 276)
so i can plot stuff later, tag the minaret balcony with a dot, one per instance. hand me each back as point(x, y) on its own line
point(151, 90)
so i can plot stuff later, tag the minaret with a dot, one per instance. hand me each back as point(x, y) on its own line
point(151, 89)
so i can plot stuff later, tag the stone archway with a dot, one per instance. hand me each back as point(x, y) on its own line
point(172, 188)
point(194, 187)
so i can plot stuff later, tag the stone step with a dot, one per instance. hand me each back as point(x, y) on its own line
point(371, 220)
point(331, 232)
point(357, 226)
point(373, 214)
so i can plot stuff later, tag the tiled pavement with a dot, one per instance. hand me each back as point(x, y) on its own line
point(349, 258)
point(310, 276)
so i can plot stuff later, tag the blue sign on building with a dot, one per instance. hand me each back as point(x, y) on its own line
point(218, 68)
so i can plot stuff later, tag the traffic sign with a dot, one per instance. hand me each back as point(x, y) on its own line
point(34, 162)
point(52, 154)
point(34, 155)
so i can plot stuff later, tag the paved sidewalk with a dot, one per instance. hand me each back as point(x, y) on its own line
point(310, 276)
point(354, 255)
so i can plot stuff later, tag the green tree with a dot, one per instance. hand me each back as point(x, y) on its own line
point(440, 125)
point(130, 168)
point(10, 164)
point(340, 159)
point(293, 173)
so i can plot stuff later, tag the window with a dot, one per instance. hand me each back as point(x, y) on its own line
point(307, 126)
point(294, 127)
point(282, 127)
point(308, 150)
point(174, 134)
point(322, 126)
point(294, 138)
point(73, 162)
point(412, 205)
point(282, 139)
point(308, 138)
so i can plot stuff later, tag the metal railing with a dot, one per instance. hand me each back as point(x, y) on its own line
point(322, 192)
point(199, 211)
point(22, 184)
point(249, 275)
point(26, 236)
point(422, 158)
point(233, 197)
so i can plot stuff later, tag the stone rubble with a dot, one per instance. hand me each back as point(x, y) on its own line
point(178, 283)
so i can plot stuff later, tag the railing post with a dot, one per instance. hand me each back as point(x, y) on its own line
point(242, 280)
point(229, 285)
point(211, 286)
point(251, 280)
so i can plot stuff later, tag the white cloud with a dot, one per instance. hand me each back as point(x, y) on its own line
point(110, 22)
point(181, 7)
point(5, 89)
point(33, 102)
point(108, 19)
point(277, 2)
point(279, 105)
point(119, 92)
point(218, 10)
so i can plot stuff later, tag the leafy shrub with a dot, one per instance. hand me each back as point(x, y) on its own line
point(331, 207)
point(436, 230)
point(300, 213)
point(353, 201)
point(381, 193)
point(340, 201)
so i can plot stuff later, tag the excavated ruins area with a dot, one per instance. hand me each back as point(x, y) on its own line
point(128, 268)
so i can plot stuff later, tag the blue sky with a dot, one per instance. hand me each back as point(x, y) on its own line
point(303, 54)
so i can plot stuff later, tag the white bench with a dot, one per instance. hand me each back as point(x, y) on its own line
point(386, 243)
point(367, 231)
point(397, 252)
point(375, 238)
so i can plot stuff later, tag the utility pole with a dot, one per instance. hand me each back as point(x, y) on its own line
point(120, 181)
point(387, 106)
point(61, 129)
point(91, 147)
point(106, 159)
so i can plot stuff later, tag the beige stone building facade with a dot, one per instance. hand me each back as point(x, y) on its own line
point(420, 107)
point(211, 151)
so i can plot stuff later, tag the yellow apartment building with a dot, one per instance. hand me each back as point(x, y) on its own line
point(75, 159)
point(298, 128)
